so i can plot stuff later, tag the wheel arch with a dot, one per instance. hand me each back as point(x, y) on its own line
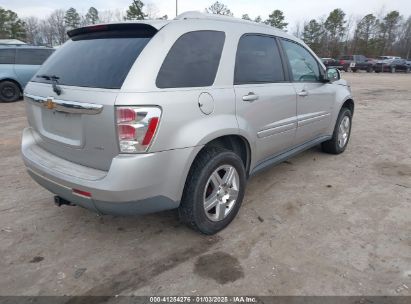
point(14, 81)
point(349, 104)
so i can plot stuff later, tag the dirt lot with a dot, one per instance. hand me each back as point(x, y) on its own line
point(315, 225)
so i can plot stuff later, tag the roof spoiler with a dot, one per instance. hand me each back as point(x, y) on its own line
point(138, 28)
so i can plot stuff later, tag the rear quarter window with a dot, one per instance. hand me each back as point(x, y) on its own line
point(192, 61)
point(32, 56)
point(7, 56)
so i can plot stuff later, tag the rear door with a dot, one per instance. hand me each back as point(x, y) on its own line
point(314, 97)
point(265, 101)
point(79, 124)
point(28, 61)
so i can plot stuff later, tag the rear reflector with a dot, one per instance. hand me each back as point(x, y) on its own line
point(81, 192)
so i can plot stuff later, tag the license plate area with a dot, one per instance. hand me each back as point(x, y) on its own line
point(64, 128)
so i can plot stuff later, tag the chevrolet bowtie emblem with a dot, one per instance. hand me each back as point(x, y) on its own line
point(49, 103)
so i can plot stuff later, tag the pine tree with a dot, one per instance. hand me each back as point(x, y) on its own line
point(312, 35)
point(219, 9)
point(388, 29)
point(276, 19)
point(92, 16)
point(246, 17)
point(258, 19)
point(335, 29)
point(11, 27)
point(364, 41)
point(135, 11)
point(72, 18)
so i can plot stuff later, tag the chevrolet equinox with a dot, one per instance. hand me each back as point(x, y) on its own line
point(139, 117)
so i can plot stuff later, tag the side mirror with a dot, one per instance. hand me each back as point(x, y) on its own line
point(333, 75)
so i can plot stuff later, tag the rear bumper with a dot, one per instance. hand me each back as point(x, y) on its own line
point(134, 184)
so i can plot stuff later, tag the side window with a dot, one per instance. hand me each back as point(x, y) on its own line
point(304, 67)
point(32, 56)
point(258, 61)
point(7, 56)
point(192, 61)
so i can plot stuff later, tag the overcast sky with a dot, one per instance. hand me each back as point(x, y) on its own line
point(294, 10)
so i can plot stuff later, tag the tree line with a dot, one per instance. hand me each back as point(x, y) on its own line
point(371, 35)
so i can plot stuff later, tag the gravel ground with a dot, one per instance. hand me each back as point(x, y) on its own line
point(315, 225)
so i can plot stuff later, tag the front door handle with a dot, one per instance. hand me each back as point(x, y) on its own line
point(303, 93)
point(250, 97)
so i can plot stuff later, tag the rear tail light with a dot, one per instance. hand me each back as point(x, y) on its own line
point(342, 61)
point(136, 127)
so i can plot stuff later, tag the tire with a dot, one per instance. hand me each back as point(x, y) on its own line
point(354, 70)
point(200, 184)
point(9, 91)
point(334, 146)
point(369, 69)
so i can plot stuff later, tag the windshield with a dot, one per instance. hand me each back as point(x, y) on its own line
point(88, 61)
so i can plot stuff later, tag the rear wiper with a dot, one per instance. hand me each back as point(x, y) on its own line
point(54, 80)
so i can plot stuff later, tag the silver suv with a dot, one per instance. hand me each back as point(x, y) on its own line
point(132, 118)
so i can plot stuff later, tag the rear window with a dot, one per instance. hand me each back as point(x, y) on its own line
point(346, 57)
point(7, 56)
point(100, 60)
point(32, 56)
point(192, 61)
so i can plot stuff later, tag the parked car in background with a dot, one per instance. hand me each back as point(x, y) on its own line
point(331, 63)
point(392, 65)
point(372, 61)
point(18, 64)
point(177, 114)
point(355, 63)
point(409, 62)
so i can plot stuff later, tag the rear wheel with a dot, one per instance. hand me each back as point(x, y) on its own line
point(214, 190)
point(369, 69)
point(9, 91)
point(341, 134)
point(354, 70)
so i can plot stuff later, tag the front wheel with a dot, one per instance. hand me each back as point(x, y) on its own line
point(214, 190)
point(341, 134)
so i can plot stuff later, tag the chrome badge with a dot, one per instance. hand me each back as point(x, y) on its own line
point(49, 103)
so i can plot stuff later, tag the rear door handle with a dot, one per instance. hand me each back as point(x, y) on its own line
point(303, 93)
point(250, 97)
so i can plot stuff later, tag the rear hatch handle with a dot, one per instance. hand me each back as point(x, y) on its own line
point(65, 106)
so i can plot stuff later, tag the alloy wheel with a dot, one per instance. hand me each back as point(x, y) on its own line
point(221, 192)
